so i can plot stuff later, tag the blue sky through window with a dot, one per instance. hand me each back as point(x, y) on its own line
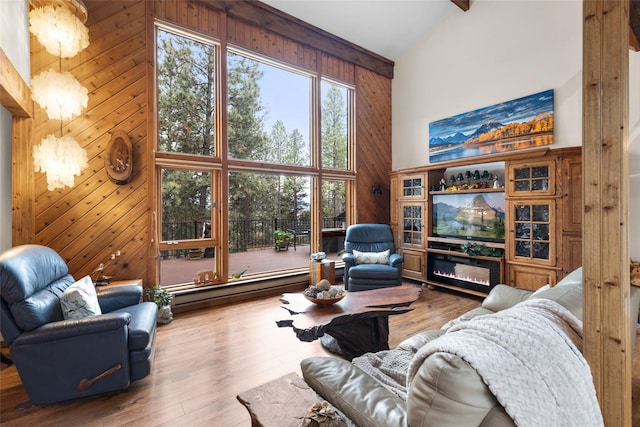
point(286, 97)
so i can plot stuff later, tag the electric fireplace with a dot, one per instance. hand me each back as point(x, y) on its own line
point(477, 274)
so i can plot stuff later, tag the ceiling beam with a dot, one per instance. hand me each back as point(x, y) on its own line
point(462, 4)
point(265, 16)
point(634, 25)
point(15, 94)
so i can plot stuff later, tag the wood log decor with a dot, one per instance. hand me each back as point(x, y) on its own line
point(606, 282)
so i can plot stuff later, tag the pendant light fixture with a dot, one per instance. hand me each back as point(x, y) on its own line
point(59, 27)
point(59, 94)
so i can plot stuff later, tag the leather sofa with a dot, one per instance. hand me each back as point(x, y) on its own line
point(60, 359)
point(446, 391)
point(370, 239)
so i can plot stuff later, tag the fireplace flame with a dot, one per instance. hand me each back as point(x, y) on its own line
point(462, 278)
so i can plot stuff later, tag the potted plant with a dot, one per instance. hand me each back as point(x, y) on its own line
point(162, 298)
point(281, 239)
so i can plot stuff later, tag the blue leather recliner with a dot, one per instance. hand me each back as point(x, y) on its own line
point(370, 238)
point(61, 359)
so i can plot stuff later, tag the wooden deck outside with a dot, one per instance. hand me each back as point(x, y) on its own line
point(257, 261)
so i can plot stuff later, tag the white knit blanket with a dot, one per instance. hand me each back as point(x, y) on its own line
point(529, 357)
point(389, 367)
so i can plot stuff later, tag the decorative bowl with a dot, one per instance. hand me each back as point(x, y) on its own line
point(318, 256)
point(325, 301)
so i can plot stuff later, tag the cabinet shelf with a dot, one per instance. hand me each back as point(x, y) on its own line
point(462, 254)
point(475, 190)
point(455, 241)
point(433, 284)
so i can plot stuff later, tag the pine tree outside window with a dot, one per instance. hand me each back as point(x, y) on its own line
point(280, 170)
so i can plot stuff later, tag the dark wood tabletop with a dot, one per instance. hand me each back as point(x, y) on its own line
point(311, 320)
point(357, 324)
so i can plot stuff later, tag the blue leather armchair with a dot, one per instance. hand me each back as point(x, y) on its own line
point(370, 238)
point(61, 359)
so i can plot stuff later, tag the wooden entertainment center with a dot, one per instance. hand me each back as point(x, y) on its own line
point(542, 220)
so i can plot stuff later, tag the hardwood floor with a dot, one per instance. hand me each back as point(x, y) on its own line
point(205, 358)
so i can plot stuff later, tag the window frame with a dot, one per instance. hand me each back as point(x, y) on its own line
point(220, 165)
point(200, 38)
point(214, 239)
point(350, 127)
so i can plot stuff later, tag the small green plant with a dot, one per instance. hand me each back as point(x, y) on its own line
point(159, 295)
point(474, 249)
point(281, 238)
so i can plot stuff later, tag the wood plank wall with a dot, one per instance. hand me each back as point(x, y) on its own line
point(96, 217)
point(373, 129)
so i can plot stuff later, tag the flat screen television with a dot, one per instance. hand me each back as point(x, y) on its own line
point(472, 216)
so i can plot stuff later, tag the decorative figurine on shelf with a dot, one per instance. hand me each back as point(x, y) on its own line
point(476, 179)
point(468, 175)
point(495, 182)
point(460, 177)
point(443, 184)
point(452, 180)
point(100, 279)
point(485, 177)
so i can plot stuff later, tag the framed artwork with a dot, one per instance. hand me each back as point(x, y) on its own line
point(512, 125)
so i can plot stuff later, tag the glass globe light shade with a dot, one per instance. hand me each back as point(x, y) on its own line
point(60, 159)
point(59, 94)
point(58, 30)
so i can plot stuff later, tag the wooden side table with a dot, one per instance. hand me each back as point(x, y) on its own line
point(324, 269)
point(137, 282)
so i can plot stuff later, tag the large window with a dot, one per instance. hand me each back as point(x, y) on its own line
point(335, 126)
point(186, 94)
point(287, 153)
point(269, 112)
point(335, 143)
point(187, 243)
point(260, 206)
point(269, 120)
point(187, 235)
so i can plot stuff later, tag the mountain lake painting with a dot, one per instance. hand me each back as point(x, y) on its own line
point(513, 125)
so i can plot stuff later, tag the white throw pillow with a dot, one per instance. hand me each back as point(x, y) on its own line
point(372, 257)
point(80, 300)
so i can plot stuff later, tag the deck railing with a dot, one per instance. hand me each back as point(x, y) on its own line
point(246, 234)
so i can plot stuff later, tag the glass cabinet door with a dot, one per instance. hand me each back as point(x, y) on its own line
point(533, 231)
point(412, 187)
point(534, 178)
point(412, 224)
